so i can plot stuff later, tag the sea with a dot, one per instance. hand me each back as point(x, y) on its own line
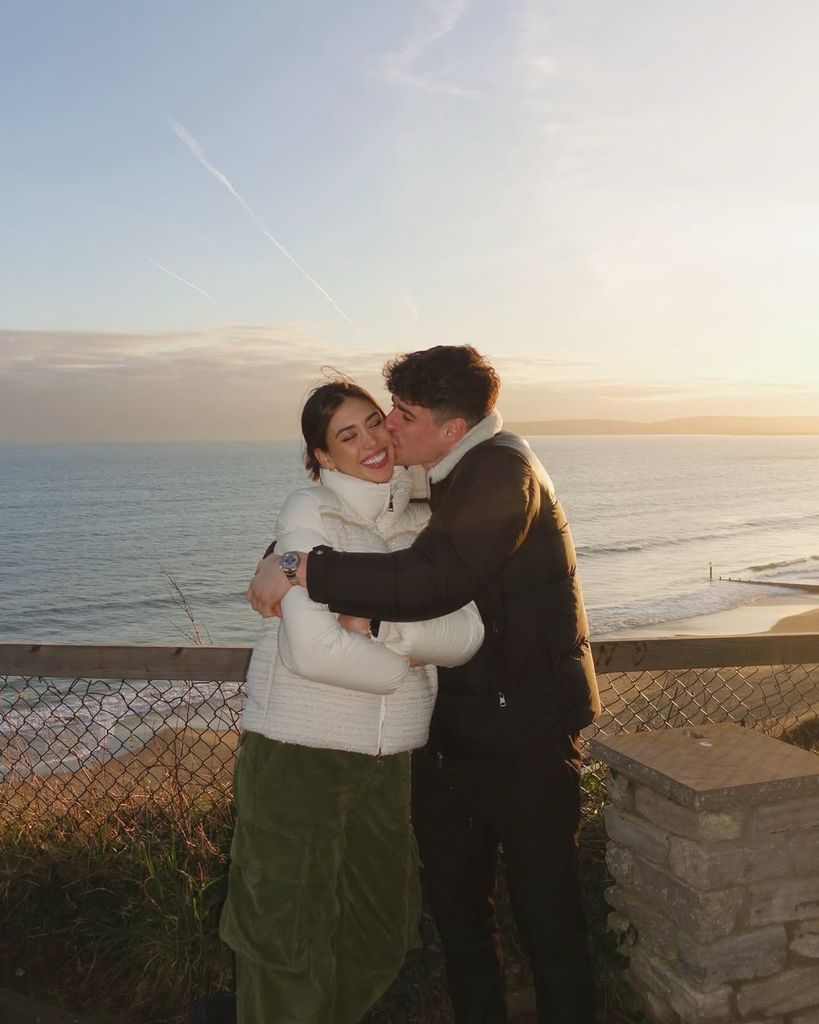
point(155, 544)
point(148, 543)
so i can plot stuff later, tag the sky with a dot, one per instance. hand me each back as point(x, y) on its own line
point(205, 206)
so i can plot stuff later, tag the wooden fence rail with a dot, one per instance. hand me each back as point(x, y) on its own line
point(118, 661)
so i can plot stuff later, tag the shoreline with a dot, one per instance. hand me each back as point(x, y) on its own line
point(806, 622)
point(788, 614)
point(197, 760)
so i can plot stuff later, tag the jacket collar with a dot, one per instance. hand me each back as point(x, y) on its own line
point(483, 431)
point(370, 500)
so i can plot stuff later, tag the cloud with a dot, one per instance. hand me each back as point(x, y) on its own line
point(544, 60)
point(238, 382)
point(229, 348)
point(402, 67)
point(530, 369)
point(248, 381)
point(598, 397)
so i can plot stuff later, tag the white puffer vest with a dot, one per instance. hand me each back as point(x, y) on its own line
point(311, 682)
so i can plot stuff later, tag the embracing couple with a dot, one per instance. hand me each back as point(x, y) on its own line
point(433, 538)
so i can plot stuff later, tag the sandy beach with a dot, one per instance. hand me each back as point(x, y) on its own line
point(787, 614)
point(176, 765)
point(804, 622)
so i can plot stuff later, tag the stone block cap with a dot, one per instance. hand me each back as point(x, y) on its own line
point(711, 767)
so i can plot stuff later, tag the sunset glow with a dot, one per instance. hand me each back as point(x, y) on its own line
point(203, 205)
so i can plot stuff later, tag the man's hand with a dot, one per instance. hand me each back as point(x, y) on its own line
point(268, 587)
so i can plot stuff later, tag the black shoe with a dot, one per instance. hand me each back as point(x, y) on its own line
point(218, 1009)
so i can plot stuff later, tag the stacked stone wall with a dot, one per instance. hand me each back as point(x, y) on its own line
point(716, 904)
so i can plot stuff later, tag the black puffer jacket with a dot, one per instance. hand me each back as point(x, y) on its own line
point(497, 536)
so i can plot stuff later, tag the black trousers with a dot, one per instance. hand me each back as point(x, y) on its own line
point(530, 803)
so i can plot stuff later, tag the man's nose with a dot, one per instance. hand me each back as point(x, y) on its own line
point(390, 420)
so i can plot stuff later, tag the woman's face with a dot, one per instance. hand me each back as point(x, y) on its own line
point(358, 443)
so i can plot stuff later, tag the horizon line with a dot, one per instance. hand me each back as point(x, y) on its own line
point(726, 426)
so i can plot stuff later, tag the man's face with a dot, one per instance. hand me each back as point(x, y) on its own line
point(420, 440)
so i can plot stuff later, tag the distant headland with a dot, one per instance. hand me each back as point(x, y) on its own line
point(737, 425)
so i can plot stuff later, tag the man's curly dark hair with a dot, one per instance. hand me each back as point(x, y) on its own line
point(450, 380)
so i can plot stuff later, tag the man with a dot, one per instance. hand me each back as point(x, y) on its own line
point(502, 763)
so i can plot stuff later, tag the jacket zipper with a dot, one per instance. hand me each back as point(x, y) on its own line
point(380, 755)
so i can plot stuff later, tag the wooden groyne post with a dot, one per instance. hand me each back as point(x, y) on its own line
point(806, 588)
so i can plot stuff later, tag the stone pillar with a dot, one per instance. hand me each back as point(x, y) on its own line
point(713, 844)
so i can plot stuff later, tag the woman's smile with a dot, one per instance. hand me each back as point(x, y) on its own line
point(381, 458)
point(358, 443)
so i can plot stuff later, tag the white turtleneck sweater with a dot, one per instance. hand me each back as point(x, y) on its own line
point(310, 681)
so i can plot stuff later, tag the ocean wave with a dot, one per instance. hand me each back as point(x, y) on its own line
point(608, 549)
point(201, 592)
point(786, 564)
point(112, 604)
point(650, 611)
point(725, 530)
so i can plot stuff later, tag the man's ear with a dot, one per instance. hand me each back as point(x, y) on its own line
point(455, 429)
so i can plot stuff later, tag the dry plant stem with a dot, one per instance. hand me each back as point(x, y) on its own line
point(195, 636)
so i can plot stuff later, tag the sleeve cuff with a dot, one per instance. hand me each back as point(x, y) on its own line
point(318, 566)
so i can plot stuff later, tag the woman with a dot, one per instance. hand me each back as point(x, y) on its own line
point(323, 894)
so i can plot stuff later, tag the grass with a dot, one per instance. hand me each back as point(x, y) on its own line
point(112, 881)
point(110, 907)
point(115, 915)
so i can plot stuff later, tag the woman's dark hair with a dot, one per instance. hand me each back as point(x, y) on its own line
point(318, 410)
point(450, 380)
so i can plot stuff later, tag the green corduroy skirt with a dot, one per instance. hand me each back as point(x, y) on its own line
point(323, 897)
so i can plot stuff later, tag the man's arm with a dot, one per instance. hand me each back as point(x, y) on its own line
point(372, 586)
point(479, 524)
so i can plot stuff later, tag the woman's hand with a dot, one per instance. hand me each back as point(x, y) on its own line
point(355, 624)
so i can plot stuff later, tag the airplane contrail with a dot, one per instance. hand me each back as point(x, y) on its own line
point(184, 280)
point(196, 148)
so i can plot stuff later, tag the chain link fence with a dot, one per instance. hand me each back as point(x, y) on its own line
point(69, 743)
point(66, 745)
point(780, 700)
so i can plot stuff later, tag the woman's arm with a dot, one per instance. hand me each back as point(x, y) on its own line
point(312, 644)
point(448, 641)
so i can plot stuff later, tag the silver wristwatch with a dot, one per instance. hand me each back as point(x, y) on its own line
point(289, 563)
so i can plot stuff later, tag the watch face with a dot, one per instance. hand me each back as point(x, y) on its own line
point(290, 561)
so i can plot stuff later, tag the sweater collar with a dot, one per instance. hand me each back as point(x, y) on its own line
point(483, 431)
point(370, 500)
